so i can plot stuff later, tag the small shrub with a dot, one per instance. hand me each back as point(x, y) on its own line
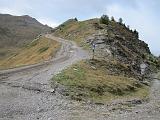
point(104, 19)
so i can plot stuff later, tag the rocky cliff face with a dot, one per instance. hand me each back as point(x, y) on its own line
point(117, 48)
point(19, 30)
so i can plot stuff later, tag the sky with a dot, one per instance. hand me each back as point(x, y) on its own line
point(142, 15)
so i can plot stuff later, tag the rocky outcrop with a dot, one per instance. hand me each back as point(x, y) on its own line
point(129, 53)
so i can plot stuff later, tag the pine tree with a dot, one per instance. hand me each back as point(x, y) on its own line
point(136, 33)
point(75, 19)
point(112, 19)
point(120, 21)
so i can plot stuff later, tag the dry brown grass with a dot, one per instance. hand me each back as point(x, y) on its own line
point(37, 51)
point(77, 31)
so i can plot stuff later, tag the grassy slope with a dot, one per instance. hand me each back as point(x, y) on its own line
point(83, 82)
point(35, 52)
point(77, 31)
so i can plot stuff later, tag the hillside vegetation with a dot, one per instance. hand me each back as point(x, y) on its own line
point(38, 50)
point(86, 81)
point(75, 30)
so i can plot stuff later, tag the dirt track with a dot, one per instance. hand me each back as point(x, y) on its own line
point(25, 94)
point(25, 91)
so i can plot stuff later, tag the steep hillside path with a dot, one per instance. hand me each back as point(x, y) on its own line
point(26, 91)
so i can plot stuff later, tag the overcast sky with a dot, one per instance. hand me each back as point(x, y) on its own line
point(142, 15)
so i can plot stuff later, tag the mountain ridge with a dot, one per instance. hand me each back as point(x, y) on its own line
point(19, 30)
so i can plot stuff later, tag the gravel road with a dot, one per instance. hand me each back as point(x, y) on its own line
point(25, 94)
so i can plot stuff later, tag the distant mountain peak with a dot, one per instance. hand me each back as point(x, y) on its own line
point(19, 30)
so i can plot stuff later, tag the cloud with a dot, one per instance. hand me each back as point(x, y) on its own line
point(15, 7)
point(48, 22)
point(9, 11)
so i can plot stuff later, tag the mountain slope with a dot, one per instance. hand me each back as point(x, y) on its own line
point(113, 40)
point(39, 50)
point(19, 30)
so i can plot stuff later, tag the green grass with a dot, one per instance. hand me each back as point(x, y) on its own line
point(85, 83)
